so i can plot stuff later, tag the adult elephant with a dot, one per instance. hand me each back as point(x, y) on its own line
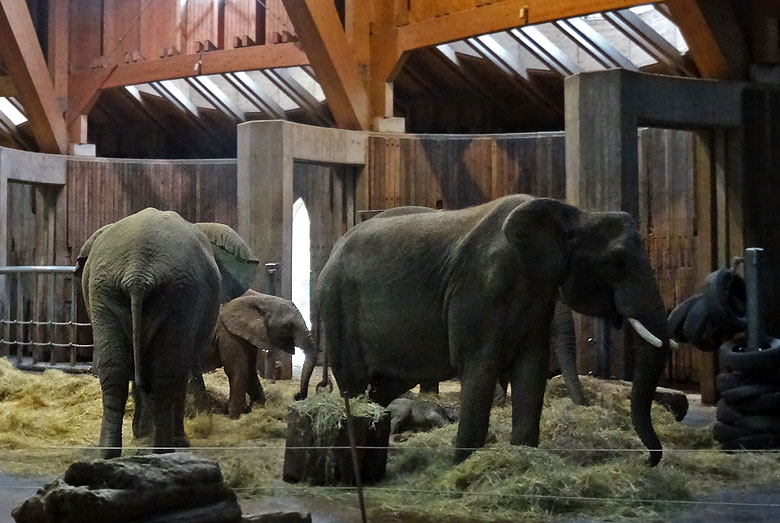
point(249, 323)
point(430, 295)
point(152, 283)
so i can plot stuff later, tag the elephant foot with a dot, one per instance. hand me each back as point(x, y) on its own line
point(181, 441)
point(110, 453)
point(300, 396)
point(461, 455)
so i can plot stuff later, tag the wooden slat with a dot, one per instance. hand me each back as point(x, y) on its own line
point(24, 61)
point(333, 60)
point(713, 35)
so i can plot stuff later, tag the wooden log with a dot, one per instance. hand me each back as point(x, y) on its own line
point(332, 464)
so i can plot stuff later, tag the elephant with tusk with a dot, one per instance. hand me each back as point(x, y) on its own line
point(428, 295)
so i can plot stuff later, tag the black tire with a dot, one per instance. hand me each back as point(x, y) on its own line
point(725, 299)
point(727, 414)
point(697, 328)
point(678, 316)
point(724, 433)
point(764, 405)
point(753, 442)
point(733, 357)
point(746, 392)
point(731, 380)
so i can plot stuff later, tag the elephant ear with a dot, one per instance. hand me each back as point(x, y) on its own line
point(245, 317)
point(542, 227)
point(81, 260)
point(236, 261)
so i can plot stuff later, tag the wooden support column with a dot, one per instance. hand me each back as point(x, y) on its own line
point(58, 51)
point(319, 29)
point(24, 60)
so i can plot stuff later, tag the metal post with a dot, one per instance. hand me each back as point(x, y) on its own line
point(603, 348)
point(270, 269)
point(753, 277)
point(51, 317)
point(269, 361)
point(36, 314)
point(73, 319)
point(19, 319)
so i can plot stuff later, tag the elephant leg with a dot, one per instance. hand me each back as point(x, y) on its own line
point(254, 387)
point(385, 390)
point(477, 385)
point(528, 377)
point(164, 401)
point(235, 363)
point(429, 387)
point(114, 401)
point(142, 419)
point(179, 436)
point(114, 367)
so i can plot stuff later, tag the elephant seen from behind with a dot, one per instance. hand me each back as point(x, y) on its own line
point(152, 284)
point(425, 296)
point(247, 324)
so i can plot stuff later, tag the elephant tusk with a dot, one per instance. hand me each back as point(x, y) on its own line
point(645, 334)
point(673, 344)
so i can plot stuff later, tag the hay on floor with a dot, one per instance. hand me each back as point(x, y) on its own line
point(589, 461)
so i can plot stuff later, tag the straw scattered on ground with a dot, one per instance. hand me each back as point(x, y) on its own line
point(581, 466)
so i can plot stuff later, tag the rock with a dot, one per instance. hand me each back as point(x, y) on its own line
point(279, 517)
point(417, 415)
point(176, 487)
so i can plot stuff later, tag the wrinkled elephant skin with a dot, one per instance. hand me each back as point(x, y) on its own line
point(247, 324)
point(152, 290)
point(424, 296)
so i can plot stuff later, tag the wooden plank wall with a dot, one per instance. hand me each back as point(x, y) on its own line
point(101, 191)
point(113, 31)
point(454, 172)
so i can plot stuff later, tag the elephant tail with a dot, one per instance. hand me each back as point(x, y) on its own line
point(136, 309)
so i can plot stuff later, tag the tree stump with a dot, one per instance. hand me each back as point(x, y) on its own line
point(328, 465)
point(170, 488)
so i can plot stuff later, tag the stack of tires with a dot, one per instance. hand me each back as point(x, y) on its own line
point(748, 413)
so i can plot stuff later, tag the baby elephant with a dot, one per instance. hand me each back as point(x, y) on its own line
point(247, 324)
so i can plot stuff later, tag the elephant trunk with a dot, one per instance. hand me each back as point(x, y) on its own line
point(563, 340)
point(306, 343)
point(640, 299)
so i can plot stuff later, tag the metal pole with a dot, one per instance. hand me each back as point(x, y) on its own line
point(355, 461)
point(269, 362)
point(753, 278)
point(73, 318)
point(270, 269)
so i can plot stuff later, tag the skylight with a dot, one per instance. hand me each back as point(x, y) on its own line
point(11, 112)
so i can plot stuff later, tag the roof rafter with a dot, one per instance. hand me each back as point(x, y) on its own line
point(24, 61)
point(649, 40)
point(322, 35)
point(544, 50)
point(174, 96)
point(713, 35)
point(594, 44)
point(7, 86)
point(282, 79)
point(206, 87)
point(244, 84)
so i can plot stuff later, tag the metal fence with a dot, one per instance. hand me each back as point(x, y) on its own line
point(38, 319)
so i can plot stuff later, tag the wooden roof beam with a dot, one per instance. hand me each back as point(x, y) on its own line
point(487, 47)
point(499, 16)
point(284, 81)
point(649, 40)
point(23, 59)
point(594, 44)
point(713, 35)
point(544, 50)
point(206, 87)
point(7, 86)
point(249, 89)
point(319, 28)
